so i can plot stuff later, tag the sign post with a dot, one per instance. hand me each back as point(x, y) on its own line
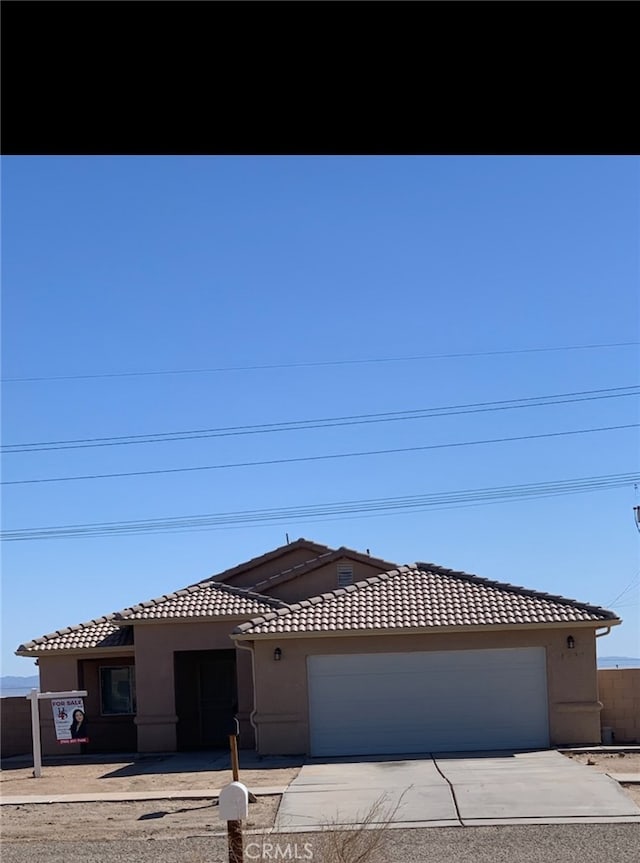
point(74, 696)
point(234, 733)
point(35, 733)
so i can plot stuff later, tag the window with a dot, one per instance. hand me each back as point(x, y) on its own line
point(345, 574)
point(117, 690)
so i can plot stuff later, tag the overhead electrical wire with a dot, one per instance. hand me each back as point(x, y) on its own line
point(634, 583)
point(312, 458)
point(326, 422)
point(366, 507)
point(315, 364)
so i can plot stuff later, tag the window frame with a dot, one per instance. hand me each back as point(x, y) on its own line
point(131, 673)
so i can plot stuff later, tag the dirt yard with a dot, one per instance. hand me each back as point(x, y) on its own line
point(612, 762)
point(155, 819)
point(154, 773)
point(144, 820)
point(608, 762)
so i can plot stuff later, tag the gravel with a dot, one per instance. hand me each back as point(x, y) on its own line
point(583, 843)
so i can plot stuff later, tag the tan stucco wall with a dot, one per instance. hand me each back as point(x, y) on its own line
point(114, 733)
point(271, 567)
point(155, 683)
point(320, 580)
point(281, 687)
point(80, 671)
point(620, 696)
point(57, 674)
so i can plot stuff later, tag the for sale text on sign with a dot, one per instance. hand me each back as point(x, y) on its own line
point(69, 719)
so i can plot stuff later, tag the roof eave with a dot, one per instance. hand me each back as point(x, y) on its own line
point(426, 630)
point(34, 653)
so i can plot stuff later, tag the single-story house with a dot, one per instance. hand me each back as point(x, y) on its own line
point(326, 652)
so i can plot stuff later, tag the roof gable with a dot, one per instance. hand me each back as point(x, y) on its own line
point(342, 553)
point(423, 596)
point(315, 548)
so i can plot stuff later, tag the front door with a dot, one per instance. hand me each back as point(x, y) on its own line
point(205, 682)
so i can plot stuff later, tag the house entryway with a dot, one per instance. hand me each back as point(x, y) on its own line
point(206, 694)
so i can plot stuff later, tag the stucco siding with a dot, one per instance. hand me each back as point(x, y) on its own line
point(282, 714)
point(107, 733)
point(156, 644)
point(262, 571)
point(574, 707)
point(320, 580)
point(57, 674)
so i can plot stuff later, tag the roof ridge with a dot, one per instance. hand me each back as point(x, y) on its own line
point(126, 613)
point(321, 597)
point(423, 569)
point(248, 591)
point(511, 588)
point(116, 618)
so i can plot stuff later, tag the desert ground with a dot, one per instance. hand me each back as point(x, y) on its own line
point(167, 818)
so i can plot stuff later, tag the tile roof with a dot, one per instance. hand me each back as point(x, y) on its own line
point(197, 601)
point(422, 596)
point(321, 560)
point(99, 633)
point(205, 599)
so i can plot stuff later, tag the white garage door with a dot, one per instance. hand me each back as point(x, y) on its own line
point(442, 701)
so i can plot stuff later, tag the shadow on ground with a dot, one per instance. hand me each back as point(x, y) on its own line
point(135, 764)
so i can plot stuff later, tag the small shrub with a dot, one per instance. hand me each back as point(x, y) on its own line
point(335, 842)
point(360, 843)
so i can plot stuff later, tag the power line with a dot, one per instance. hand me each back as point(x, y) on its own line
point(221, 369)
point(635, 582)
point(370, 506)
point(314, 457)
point(326, 422)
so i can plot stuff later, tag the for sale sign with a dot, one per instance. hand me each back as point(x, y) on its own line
point(69, 719)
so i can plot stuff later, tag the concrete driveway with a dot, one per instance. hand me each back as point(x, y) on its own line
point(463, 789)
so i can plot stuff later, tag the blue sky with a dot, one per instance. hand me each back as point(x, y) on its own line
point(114, 266)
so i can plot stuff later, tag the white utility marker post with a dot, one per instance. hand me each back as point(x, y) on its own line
point(34, 697)
point(233, 805)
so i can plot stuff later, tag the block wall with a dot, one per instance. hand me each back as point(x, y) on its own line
point(15, 726)
point(619, 690)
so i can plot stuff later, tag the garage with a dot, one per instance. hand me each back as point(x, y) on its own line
point(431, 701)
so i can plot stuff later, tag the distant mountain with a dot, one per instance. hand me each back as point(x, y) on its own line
point(23, 685)
point(18, 685)
point(618, 662)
